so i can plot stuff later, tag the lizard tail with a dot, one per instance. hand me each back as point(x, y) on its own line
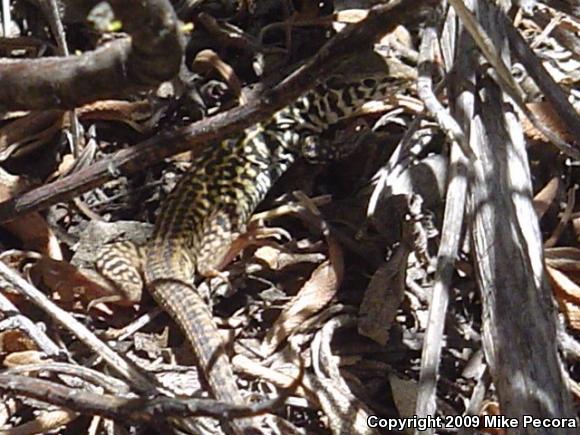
point(190, 312)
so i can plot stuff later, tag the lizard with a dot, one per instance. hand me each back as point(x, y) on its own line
point(211, 204)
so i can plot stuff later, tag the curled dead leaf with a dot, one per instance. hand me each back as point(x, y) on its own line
point(318, 291)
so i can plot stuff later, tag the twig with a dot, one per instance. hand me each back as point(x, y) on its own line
point(450, 238)
point(426, 93)
point(137, 410)
point(95, 377)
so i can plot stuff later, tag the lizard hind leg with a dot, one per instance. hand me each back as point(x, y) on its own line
point(121, 263)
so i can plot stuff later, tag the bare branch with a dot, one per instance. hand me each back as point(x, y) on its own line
point(152, 55)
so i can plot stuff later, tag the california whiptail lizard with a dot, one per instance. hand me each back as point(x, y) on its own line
point(210, 206)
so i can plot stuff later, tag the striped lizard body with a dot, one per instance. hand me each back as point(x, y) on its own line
point(210, 206)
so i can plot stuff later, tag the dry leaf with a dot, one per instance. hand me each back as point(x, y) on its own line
point(30, 228)
point(45, 422)
point(404, 394)
point(383, 297)
point(277, 259)
point(567, 293)
point(14, 340)
point(24, 357)
point(346, 413)
point(546, 115)
point(72, 284)
point(564, 258)
point(318, 291)
point(132, 113)
point(208, 59)
point(30, 132)
point(492, 408)
point(545, 197)
point(563, 269)
point(35, 235)
point(66, 165)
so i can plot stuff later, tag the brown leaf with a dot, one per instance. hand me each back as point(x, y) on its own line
point(383, 297)
point(492, 408)
point(567, 293)
point(314, 295)
point(14, 340)
point(30, 228)
point(564, 258)
point(563, 270)
point(24, 357)
point(29, 132)
point(276, 259)
point(70, 283)
point(132, 113)
point(545, 197)
point(208, 59)
point(546, 114)
point(35, 234)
